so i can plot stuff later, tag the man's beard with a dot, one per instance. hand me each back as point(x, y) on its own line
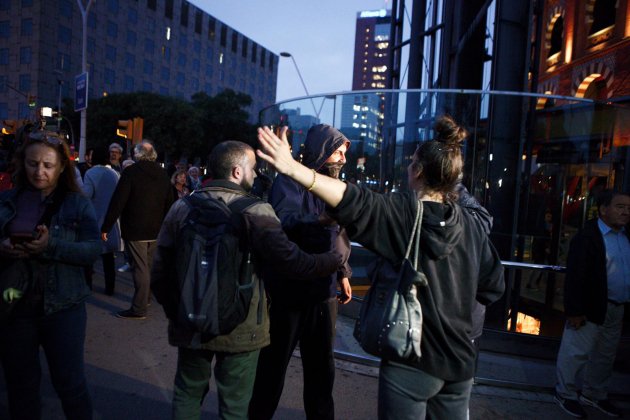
point(246, 185)
point(332, 169)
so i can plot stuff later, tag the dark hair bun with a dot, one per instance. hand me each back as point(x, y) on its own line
point(448, 131)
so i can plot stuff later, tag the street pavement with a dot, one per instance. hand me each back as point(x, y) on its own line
point(130, 369)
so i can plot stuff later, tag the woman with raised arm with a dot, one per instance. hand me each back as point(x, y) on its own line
point(457, 257)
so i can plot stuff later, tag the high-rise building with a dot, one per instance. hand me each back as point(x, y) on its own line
point(170, 47)
point(362, 115)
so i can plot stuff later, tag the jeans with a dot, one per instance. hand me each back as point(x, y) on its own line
point(407, 393)
point(234, 375)
point(62, 336)
point(142, 258)
point(313, 325)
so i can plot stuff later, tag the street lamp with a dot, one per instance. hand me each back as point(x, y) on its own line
point(84, 15)
point(288, 55)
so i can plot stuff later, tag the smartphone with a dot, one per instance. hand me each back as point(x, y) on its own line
point(21, 237)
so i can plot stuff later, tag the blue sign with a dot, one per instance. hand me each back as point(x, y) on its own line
point(81, 92)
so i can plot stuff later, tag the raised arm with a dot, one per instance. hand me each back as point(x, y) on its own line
point(276, 151)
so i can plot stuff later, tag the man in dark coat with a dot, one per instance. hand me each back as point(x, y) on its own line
point(142, 198)
point(305, 311)
point(596, 288)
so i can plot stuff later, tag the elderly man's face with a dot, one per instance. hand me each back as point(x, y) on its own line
point(114, 155)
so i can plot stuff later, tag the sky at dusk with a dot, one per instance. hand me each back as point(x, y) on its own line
point(318, 33)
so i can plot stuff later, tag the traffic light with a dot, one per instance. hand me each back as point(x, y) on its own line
point(32, 101)
point(138, 125)
point(125, 129)
point(9, 127)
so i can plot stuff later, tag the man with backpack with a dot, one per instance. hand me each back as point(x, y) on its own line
point(212, 250)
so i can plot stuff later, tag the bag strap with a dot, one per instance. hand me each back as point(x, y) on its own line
point(414, 239)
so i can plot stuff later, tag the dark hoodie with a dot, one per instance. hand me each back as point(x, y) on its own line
point(456, 255)
point(299, 212)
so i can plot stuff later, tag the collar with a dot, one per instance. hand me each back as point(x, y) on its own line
point(605, 229)
point(224, 183)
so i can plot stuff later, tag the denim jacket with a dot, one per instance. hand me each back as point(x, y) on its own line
point(74, 242)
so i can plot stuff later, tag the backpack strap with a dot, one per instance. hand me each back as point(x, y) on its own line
point(241, 204)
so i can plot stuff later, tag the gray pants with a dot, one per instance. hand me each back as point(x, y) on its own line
point(407, 393)
point(586, 356)
point(141, 253)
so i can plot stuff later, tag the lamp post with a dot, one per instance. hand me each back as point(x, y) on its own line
point(288, 55)
point(84, 16)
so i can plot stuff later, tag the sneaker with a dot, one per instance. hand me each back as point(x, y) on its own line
point(571, 407)
point(605, 406)
point(129, 314)
point(125, 268)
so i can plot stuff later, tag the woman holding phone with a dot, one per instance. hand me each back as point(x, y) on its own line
point(48, 233)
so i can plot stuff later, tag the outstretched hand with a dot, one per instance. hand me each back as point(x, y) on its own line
point(275, 150)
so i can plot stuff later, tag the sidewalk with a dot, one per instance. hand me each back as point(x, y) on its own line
point(130, 369)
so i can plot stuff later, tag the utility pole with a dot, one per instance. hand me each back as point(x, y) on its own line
point(84, 16)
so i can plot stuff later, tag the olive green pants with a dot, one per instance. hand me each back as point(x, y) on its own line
point(234, 375)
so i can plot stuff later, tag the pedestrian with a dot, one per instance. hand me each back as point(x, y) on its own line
point(306, 312)
point(459, 261)
point(178, 180)
point(596, 287)
point(48, 233)
point(142, 198)
point(99, 185)
point(115, 156)
point(235, 353)
point(194, 180)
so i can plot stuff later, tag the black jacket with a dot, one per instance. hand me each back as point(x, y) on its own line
point(299, 212)
point(142, 198)
point(457, 257)
point(586, 282)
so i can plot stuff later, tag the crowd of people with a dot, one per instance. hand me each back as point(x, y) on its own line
point(58, 219)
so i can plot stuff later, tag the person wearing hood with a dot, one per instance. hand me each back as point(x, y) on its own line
point(305, 312)
point(459, 261)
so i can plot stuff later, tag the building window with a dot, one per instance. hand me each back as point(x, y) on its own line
point(24, 82)
point(181, 59)
point(234, 41)
point(4, 110)
point(63, 61)
point(223, 40)
point(147, 67)
point(212, 25)
point(604, 12)
point(163, 90)
point(112, 29)
point(180, 78)
point(112, 6)
point(5, 5)
point(196, 65)
point(254, 52)
point(4, 56)
point(27, 27)
point(183, 19)
point(168, 9)
point(110, 76)
point(132, 15)
point(24, 111)
point(27, 3)
point(110, 53)
point(262, 58)
point(64, 35)
point(131, 38)
point(198, 21)
point(556, 36)
point(183, 41)
point(91, 21)
point(194, 84)
point(25, 55)
point(152, 4)
point(166, 53)
point(244, 48)
point(147, 86)
point(165, 74)
point(209, 71)
point(197, 46)
point(91, 44)
point(271, 59)
point(149, 46)
point(5, 29)
point(65, 8)
point(129, 83)
point(130, 61)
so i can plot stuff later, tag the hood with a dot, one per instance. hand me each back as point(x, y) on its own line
point(441, 229)
point(321, 142)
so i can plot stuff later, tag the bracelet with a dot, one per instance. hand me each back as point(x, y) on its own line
point(314, 179)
